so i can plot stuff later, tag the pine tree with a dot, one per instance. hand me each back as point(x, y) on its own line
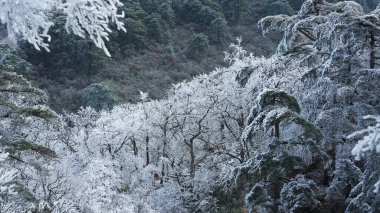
point(20, 105)
point(137, 33)
point(235, 11)
point(218, 31)
point(278, 160)
point(100, 96)
point(198, 47)
point(167, 13)
point(157, 28)
point(280, 7)
point(365, 197)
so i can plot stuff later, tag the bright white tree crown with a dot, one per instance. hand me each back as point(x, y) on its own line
point(31, 20)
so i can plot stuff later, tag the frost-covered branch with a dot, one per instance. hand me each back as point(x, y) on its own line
point(369, 142)
point(31, 20)
point(7, 176)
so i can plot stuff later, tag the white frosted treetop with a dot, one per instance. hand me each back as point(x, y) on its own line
point(31, 19)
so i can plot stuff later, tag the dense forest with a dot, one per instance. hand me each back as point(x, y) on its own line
point(167, 41)
point(200, 106)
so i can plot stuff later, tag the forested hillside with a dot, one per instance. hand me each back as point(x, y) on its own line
point(167, 41)
point(294, 131)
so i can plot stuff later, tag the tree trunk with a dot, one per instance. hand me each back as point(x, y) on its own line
point(372, 60)
point(277, 130)
point(147, 149)
point(192, 159)
point(135, 150)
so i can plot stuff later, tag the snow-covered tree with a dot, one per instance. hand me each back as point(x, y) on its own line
point(365, 196)
point(277, 157)
point(31, 20)
point(370, 141)
point(299, 195)
point(6, 186)
point(259, 129)
point(326, 35)
point(25, 119)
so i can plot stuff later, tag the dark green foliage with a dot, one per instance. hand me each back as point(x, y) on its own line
point(277, 161)
point(69, 51)
point(23, 145)
point(207, 15)
point(243, 76)
point(235, 11)
point(200, 12)
point(69, 66)
point(134, 10)
point(137, 33)
point(177, 5)
point(100, 96)
point(274, 168)
point(296, 4)
point(167, 13)
point(275, 107)
point(150, 5)
point(198, 47)
point(273, 163)
point(190, 10)
point(213, 4)
point(280, 7)
point(17, 59)
point(157, 28)
point(218, 31)
point(271, 167)
point(40, 112)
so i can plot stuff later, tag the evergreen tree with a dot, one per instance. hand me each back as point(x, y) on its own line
point(134, 10)
point(207, 15)
point(280, 7)
point(365, 197)
point(17, 59)
point(20, 106)
point(278, 160)
point(200, 12)
point(151, 6)
point(345, 38)
point(235, 11)
point(157, 28)
point(218, 31)
point(99, 96)
point(190, 10)
point(299, 195)
point(68, 51)
point(167, 13)
point(137, 33)
point(198, 47)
